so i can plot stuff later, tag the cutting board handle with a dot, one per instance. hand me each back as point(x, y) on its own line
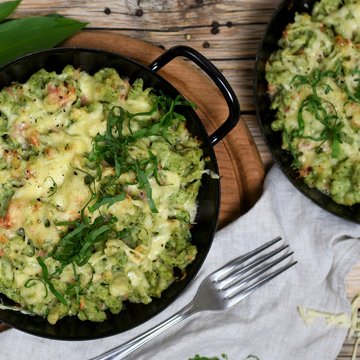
point(215, 75)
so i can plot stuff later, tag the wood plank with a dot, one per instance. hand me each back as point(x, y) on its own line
point(161, 15)
point(240, 76)
point(242, 41)
point(251, 123)
point(242, 34)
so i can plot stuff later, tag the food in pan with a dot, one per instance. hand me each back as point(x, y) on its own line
point(314, 85)
point(98, 187)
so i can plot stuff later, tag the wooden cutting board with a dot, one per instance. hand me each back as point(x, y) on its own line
point(240, 165)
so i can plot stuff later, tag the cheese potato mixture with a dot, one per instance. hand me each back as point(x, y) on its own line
point(98, 187)
point(314, 84)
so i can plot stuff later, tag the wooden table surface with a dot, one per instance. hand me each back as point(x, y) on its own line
point(228, 32)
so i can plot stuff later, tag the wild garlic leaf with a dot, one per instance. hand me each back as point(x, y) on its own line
point(7, 8)
point(22, 36)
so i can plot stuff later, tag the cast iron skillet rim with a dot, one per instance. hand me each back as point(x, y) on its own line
point(204, 139)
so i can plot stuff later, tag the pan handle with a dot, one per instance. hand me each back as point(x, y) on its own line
point(215, 75)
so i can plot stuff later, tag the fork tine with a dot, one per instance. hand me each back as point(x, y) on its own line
point(243, 293)
point(227, 268)
point(242, 269)
point(238, 281)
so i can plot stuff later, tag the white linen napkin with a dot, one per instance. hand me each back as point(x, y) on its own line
point(266, 324)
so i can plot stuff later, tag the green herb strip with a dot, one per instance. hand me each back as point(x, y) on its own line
point(32, 281)
point(53, 188)
point(199, 357)
point(45, 276)
point(94, 236)
point(76, 248)
point(77, 245)
point(107, 200)
point(113, 146)
point(332, 127)
point(322, 110)
point(144, 184)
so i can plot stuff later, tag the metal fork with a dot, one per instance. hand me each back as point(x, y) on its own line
point(220, 290)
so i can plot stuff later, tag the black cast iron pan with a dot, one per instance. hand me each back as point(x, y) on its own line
point(284, 15)
point(203, 231)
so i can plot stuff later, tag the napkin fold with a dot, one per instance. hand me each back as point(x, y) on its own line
point(267, 323)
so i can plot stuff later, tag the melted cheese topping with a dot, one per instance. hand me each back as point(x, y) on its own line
point(314, 83)
point(49, 128)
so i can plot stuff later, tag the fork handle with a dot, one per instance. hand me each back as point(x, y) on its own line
point(128, 347)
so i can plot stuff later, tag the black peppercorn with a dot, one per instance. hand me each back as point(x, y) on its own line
point(139, 12)
point(206, 45)
point(215, 27)
point(88, 179)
